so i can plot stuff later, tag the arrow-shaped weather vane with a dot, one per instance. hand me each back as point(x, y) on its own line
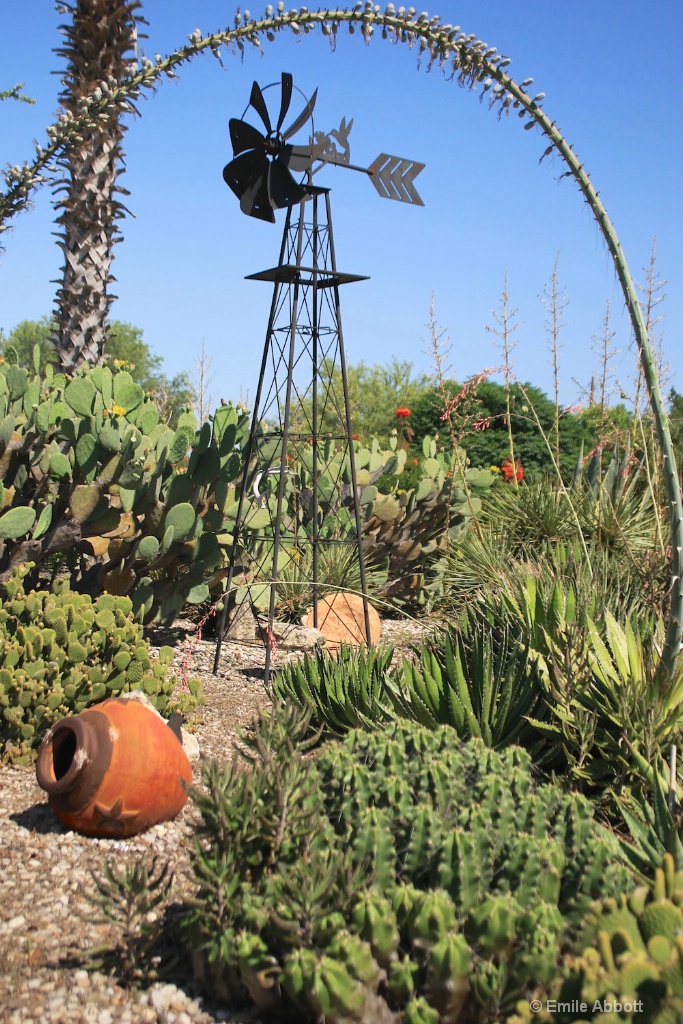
point(392, 176)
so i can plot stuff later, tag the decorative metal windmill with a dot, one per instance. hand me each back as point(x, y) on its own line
point(299, 498)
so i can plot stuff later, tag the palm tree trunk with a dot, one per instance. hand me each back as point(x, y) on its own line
point(100, 39)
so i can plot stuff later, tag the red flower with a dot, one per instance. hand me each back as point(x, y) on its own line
point(402, 412)
point(511, 471)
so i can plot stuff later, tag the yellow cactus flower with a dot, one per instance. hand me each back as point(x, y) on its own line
point(118, 410)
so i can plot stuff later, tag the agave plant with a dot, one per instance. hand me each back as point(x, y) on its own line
point(624, 693)
point(341, 690)
point(478, 677)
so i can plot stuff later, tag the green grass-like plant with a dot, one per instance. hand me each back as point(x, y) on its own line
point(129, 898)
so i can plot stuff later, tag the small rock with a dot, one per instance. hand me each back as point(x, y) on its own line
point(162, 997)
point(16, 922)
point(289, 636)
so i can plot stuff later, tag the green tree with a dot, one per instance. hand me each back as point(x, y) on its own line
point(124, 343)
point(375, 393)
point(25, 336)
point(480, 424)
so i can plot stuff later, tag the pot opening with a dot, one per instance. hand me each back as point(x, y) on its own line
point(63, 752)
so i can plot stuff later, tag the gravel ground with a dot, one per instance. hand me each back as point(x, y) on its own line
point(46, 922)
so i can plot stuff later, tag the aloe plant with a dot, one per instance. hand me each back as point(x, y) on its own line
point(340, 691)
point(654, 822)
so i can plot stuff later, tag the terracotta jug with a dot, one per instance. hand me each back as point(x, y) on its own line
point(114, 769)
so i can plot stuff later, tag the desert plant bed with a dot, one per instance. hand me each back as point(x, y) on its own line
point(46, 924)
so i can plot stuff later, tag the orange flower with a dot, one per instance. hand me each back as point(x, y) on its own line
point(402, 412)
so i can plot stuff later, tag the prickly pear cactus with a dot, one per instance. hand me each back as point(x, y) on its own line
point(61, 652)
point(414, 529)
point(397, 877)
point(89, 473)
point(408, 530)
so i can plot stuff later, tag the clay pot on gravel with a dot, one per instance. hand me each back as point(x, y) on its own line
point(113, 770)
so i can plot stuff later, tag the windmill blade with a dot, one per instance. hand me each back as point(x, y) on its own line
point(283, 190)
point(246, 169)
point(297, 158)
point(244, 136)
point(302, 118)
point(287, 83)
point(256, 203)
point(259, 104)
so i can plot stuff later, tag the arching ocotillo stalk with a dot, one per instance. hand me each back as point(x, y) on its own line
point(473, 63)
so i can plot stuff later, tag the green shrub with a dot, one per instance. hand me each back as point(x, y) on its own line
point(399, 871)
point(61, 652)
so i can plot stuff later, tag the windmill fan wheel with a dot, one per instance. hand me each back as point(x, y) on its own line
point(260, 173)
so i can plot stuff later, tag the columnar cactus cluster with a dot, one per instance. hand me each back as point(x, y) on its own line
point(396, 877)
point(61, 652)
point(90, 474)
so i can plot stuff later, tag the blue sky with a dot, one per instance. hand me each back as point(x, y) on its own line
point(490, 207)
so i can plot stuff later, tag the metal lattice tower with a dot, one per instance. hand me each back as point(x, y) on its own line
point(300, 429)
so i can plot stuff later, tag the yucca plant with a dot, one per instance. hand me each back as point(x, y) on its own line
point(338, 568)
point(536, 516)
point(618, 510)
